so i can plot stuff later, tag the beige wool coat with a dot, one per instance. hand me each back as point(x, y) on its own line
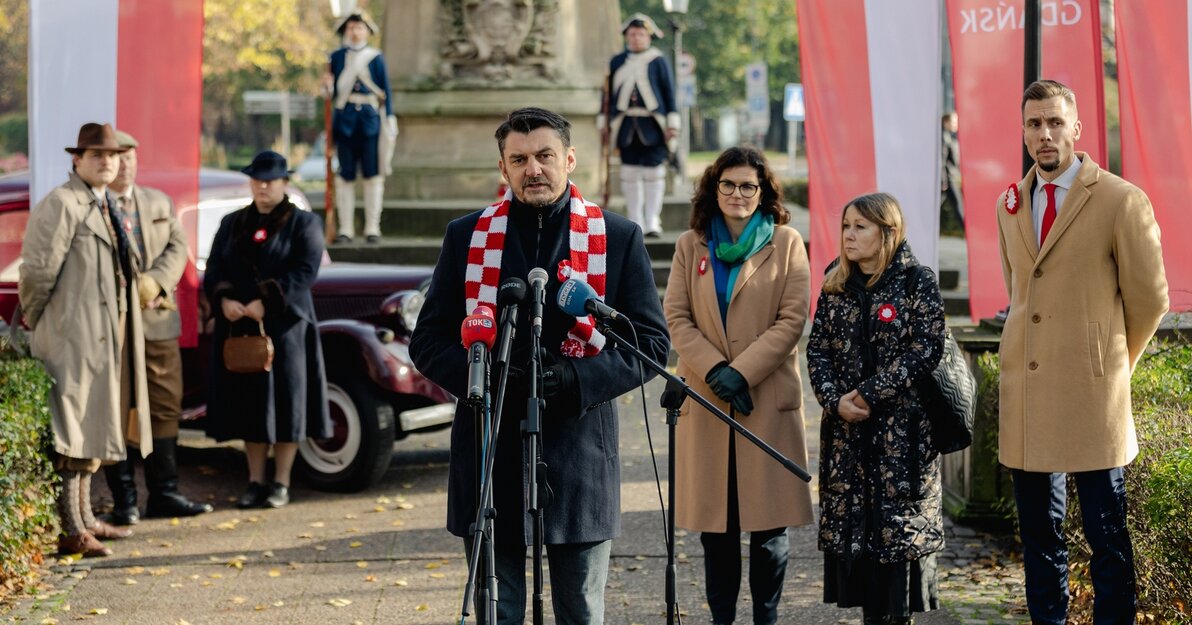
point(1082, 310)
point(71, 299)
point(165, 258)
point(766, 316)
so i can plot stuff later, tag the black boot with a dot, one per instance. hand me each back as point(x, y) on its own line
point(161, 476)
point(123, 484)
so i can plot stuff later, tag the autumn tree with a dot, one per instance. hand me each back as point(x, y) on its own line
point(259, 44)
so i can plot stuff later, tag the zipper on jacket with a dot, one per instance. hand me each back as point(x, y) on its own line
point(538, 240)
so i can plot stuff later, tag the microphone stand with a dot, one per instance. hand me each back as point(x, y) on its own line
point(482, 527)
point(677, 390)
point(532, 431)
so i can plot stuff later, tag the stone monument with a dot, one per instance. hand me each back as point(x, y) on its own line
point(457, 67)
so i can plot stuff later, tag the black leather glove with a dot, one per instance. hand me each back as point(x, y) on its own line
point(559, 378)
point(731, 387)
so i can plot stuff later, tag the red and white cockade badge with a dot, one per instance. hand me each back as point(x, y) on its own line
point(1013, 200)
point(703, 265)
point(564, 270)
point(259, 236)
point(887, 313)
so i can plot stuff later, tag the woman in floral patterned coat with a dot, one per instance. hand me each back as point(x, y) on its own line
point(879, 326)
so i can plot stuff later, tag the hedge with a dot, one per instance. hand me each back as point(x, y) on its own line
point(27, 518)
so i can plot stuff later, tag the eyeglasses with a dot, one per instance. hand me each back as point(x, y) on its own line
point(726, 187)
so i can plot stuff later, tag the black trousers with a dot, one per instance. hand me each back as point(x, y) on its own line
point(1042, 506)
point(769, 551)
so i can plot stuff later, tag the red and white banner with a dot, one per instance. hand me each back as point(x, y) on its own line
point(136, 64)
point(871, 74)
point(1155, 94)
point(987, 56)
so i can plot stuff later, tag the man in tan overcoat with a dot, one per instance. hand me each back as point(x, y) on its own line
point(1084, 270)
point(75, 280)
point(159, 250)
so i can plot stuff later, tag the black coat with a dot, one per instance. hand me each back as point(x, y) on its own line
point(288, 404)
point(579, 444)
point(880, 478)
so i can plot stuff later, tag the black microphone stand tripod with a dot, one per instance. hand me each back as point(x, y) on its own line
point(677, 390)
point(482, 527)
point(532, 431)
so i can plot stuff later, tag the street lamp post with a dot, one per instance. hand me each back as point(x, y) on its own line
point(676, 9)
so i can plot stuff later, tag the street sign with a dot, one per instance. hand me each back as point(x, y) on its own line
point(792, 104)
point(298, 105)
point(757, 98)
point(686, 64)
point(686, 91)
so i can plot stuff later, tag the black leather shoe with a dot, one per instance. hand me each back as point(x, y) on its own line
point(342, 238)
point(254, 496)
point(122, 482)
point(373, 239)
point(279, 495)
point(122, 516)
point(174, 504)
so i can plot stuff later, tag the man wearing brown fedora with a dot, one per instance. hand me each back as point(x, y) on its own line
point(77, 278)
point(159, 248)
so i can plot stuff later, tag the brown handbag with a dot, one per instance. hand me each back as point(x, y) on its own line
point(249, 354)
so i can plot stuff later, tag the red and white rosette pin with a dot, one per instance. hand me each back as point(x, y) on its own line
point(703, 265)
point(1013, 200)
point(564, 270)
point(886, 313)
point(259, 236)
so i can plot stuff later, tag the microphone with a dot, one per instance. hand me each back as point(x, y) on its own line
point(479, 332)
point(538, 278)
point(578, 300)
point(510, 293)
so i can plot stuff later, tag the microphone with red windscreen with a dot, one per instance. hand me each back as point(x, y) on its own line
point(479, 332)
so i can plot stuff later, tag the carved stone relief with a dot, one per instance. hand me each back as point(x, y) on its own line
point(495, 42)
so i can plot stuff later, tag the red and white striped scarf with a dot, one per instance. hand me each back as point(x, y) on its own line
point(587, 263)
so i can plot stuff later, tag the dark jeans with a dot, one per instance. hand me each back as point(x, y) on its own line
point(578, 573)
point(1042, 505)
point(769, 551)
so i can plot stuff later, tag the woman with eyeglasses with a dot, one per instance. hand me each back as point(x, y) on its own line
point(736, 302)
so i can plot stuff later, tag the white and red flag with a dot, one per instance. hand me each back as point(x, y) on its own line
point(1155, 93)
point(873, 92)
point(987, 58)
point(136, 64)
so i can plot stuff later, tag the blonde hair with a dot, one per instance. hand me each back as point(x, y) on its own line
point(883, 211)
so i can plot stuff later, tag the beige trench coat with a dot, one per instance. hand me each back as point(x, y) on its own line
point(72, 301)
point(766, 317)
point(1082, 310)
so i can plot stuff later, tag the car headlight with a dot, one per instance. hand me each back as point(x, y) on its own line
point(406, 305)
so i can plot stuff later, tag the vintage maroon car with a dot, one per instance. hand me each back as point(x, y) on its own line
point(366, 314)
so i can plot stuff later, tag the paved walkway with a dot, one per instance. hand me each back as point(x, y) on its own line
point(381, 556)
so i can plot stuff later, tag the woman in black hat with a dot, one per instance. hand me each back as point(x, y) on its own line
point(263, 262)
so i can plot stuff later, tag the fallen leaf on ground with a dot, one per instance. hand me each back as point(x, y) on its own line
point(355, 543)
point(274, 572)
point(400, 582)
point(362, 565)
point(128, 581)
point(98, 611)
point(340, 602)
point(421, 607)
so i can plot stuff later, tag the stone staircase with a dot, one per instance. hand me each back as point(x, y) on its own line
point(421, 224)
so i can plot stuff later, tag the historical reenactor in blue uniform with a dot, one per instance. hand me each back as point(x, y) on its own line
point(643, 119)
point(359, 83)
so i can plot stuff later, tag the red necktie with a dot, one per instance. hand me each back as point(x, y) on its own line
point(1048, 213)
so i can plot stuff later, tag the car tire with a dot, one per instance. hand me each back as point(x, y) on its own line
point(361, 444)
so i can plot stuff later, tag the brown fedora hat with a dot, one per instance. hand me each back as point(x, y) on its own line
point(93, 136)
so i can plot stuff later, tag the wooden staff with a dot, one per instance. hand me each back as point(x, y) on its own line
point(329, 182)
point(605, 141)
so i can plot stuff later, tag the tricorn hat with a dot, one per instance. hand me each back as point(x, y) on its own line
point(93, 136)
point(267, 165)
point(359, 16)
point(642, 20)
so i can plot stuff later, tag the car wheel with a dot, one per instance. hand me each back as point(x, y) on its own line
point(360, 447)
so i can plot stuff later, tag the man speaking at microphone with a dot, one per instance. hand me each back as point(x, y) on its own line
point(543, 222)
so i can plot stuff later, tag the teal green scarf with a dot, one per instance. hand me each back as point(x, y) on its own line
point(728, 256)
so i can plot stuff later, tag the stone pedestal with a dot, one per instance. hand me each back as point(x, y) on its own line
point(457, 67)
